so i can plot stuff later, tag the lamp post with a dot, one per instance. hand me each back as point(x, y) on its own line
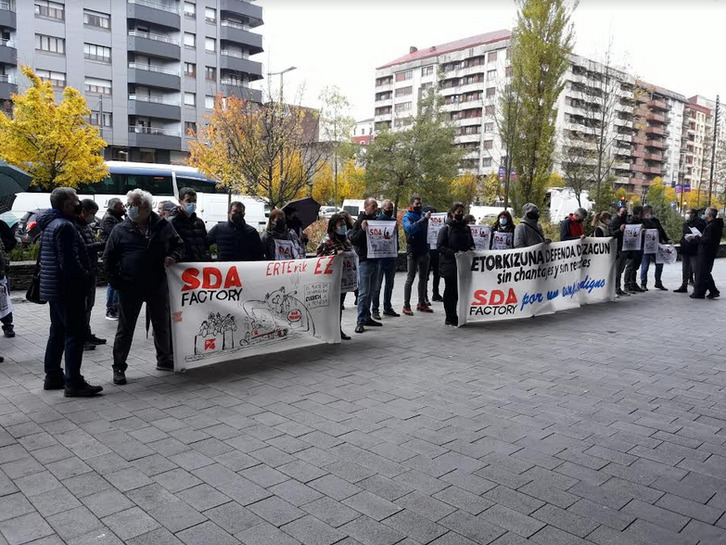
point(282, 73)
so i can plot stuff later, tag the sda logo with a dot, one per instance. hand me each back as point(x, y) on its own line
point(494, 303)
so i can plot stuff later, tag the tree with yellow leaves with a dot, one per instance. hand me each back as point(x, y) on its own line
point(465, 188)
point(323, 184)
point(54, 143)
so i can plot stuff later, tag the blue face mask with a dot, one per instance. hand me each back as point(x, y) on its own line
point(502, 221)
point(341, 230)
point(133, 213)
point(190, 208)
point(703, 217)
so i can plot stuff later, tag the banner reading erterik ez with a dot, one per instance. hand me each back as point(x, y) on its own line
point(541, 279)
point(232, 310)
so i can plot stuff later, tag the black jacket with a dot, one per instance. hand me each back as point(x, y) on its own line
point(615, 231)
point(359, 238)
point(454, 237)
point(709, 242)
point(93, 247)
point(193, 232)
point(135, 260)
point(690, 247)
point(108, 222)
point(654, 223)
point(236, 242)
point(7, 236)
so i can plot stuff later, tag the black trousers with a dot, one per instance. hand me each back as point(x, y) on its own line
point(704, 278)
point(631, 269)
point(688, 266)
point(90, 301)
point(451, 298)
point(67, 334)
point(620, 264)
point(129, 307)
point(434, 268)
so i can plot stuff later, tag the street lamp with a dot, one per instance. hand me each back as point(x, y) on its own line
point(282, 111)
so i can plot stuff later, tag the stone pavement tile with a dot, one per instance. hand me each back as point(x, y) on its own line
point(512, 520)
point(233, 518)
point(472, 483)
point(236, 461)
point(691, 509)
point(276, 511)
point(422, 482)
point(370, 532)
point(638, 491)
point(202, 497)
point(37, 483)
point(108, 463)
point(565, 520)
point(335, 487)
point(264, 475)
point(554, 536)
point(424, 505)
point(546, 493)
point(414, 525)
point(474, 528)
point(612, 498)
point(99, 536)
point(706, 533)
point(190, 460)
point(177, 516)
point(24, 528)
point(330, 511)
point(206, 534)
point(159, 536)
point(514, 500)
point(74, 522)
point(302, 471)
point(176, 480)
point(51, 453)
point(150, 496)
point(54, 501)
point(14, 505)
point(295, 493)
point(350, 471)
point(86, 484)
point(452, 538)
point(22, 467)
point(265, 534)
point(650, 533)
point(662, 518)
point(311, 531)
point(107, 502)
point(385, 487)
point(371, 505)
point(128, 479)
point(130, 523)
point(153, 465)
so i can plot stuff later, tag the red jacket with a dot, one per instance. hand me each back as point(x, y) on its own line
point(571, 228)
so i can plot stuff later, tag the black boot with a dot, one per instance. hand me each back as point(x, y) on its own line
point(682, 289)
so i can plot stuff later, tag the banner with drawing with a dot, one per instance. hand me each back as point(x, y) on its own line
point(382, 238)
point(349, 278)
point(481, 235)
point(436, 222)
point(650, 241)
point(502, 241)
point(541, 279)
point(232, 310)
point(666, 254)
point(632, 239)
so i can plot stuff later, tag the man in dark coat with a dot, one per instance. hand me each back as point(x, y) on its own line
point(651, 222)
point(689, 248)
point(386, 272)
point(617, 225)
point(235, 239)
point(707, 250)
point(136, 256)
point(367, 268)
point(634, 257)
point(93, 247)
point(113, 216)
point(190, 227)
point(64, 279)
point(572, 226)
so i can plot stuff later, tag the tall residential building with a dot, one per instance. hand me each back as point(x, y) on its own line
point(149, 69)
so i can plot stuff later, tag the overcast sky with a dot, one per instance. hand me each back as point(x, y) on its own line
point(675, 44)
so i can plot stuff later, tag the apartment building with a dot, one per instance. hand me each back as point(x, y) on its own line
point(149, 69)
point(362, 132)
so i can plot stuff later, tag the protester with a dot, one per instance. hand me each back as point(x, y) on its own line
point(386, 271)
point(113, 216)
point(293, 223)
point(504, 224)
point(349, 224)
point(278, 241)
point(4, 269)
point(335, 242)
point(7, 239)
point(708, 245)
point(433, 269)
point(572, 227)
point(634, 257)
point(617, 225)
point(454, 237)
point(469, 219)
point(64, 282)
point(689, 248)
point(235, 239)
point(136, 256)
point(165, 208)
point(601, 224)
point(415, 225)
point(529, 231)
point(93, 247)
point(367, 268)
point(651, 222)
point(190, 227)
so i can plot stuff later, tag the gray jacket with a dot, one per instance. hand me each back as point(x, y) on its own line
point(528, 232)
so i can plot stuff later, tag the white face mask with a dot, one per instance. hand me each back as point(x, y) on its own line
point(502, 221)
point(133, 213)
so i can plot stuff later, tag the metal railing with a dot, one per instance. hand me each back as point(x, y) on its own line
point(235, 54)
point(8, 78)
point(156, 5)
point(234, 24)
point(7, 4)
point(153, 130)
point(7, 43)
point(153, 99)
point(152, 68)
point(98, 58)
point(233, 82)
point(153, 36)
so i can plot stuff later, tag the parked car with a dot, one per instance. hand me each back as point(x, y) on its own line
point(326, 212)
point(28, 231)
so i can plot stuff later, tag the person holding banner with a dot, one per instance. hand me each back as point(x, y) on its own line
point(503, 232)
point(386, 270)
point(416, 225)
point(617, 227)
point(453, 238)
point(708, 245)
point(336, 242)
point(235, 239)
point(433, 269)
point(633, 246)
point(529, 231)
point(689, 248)
point(280, 243)
point(572, 226)
point(651, 222)
point(367, 268)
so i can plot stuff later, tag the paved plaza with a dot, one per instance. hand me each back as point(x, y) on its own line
point(602, 425)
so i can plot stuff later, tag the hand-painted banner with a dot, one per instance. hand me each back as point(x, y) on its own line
point(650, 241)
point(436, 222)
point(227, 311)
point(381, 237)
point(502, 241)
point(349, 279)
point(632, 237)
point(482, 236)
point(666, 254)
point(6, 304)
point(541, 279)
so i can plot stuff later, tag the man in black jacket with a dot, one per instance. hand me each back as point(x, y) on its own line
point(136, 256)
point(634, 257)
point(689, 248)
point(617, 225)
point(367, 268)
point(235, 239)
point(707, 250)
point(113, 216)
point(85, 218)
point(190, 227)
point(651, 222)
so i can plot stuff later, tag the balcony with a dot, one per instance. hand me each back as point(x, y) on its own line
point(638, 153)
point(655, 130)
point(658, 104)
point(8, 18)
point(155, 138)
point(240, 90)
point(655, 144)
point(463, 138)
point(8, 86)
point(653, 157)
point(653, 117)
point(151, 106)
point(8, 52)
point(154, 12)
point(636, 167)
point(621, 166)
point(232, 60)
point(252, 12)
point(154, 76)
point(156, 45)
point(235, 32)
point(653, 170)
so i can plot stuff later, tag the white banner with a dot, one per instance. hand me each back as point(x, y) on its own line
point(227, 311)
point(436, 222)
point(381, 237)
point(502, 241)
point(541, 279)
point(650, 241)
point(666, 254)
point(6, 305)
point(349, 279)
point(632, 238)
point(482, 236)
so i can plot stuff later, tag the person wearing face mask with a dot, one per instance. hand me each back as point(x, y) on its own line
point(529, 231)
point(651, 222)
point(415, 225)
point(279, 242)
point(136, 257)
point(572, 227)
point(634, 257)
point(504, 224)
point(336, 242)
point(433, 269)
point(386, 271)
point(453, 238)
point(617, 226)
point(235, 239)
point(65, 276)
point(708, 244)
point(689, 248)
point(190, 227)
point(367, 268)
point(93, 247)
point(113, 216)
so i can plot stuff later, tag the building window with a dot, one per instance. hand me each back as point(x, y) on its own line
point(50, 44)
point(210, 73)
point(98, 119)
point(57, 79)
point(489, 110)
point(403, 76)
point(210, 15)
point(508, 71)
point(99, 53)
point(427, 70)
point(190, 69)
point(403, 107)
point(190, 10)
point(190, 99)
point(491, 92)
point(387, 80)
point(491, 74)
point(190, 39)
point(488, 144)
point(486, 162)
point(190, 129)
point(492, 56)
point(98, 86)
point(488, 127)
point(209, 102)
point(51, 10)
point(96, 19)
point(210, 44)
point(404, 91)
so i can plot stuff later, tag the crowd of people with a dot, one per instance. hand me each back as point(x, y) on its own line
point(136, 245)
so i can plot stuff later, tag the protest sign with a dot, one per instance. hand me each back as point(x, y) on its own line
point(537, 280)
point(381, 237)
point(502, 241)
point(436, 222)
point(650, 241)
point(666, 254)
point(226, 311)
point(632, 239)
point(6, 304)
point(481, 235)
point(349, 280)
point(284, 250)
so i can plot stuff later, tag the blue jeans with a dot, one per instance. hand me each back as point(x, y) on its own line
point(645, 265)
point(387, 271)
point(367, 274)
point(111, 299)
point(68, 331)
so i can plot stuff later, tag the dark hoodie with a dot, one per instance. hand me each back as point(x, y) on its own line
point(709, 242)
point(690, 247)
